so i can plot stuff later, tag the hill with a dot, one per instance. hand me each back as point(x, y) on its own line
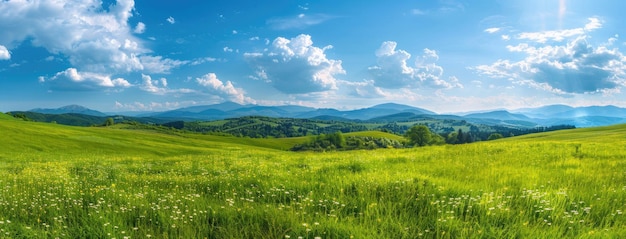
point(70, 109)
point(232, 110)
point(75, 119)
point(121, 182)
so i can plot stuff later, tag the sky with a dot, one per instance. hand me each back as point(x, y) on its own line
point(441, 55)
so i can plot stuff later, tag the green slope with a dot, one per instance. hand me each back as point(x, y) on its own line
point(4, 116)
point(74, 182)
point(605, 134)
point(25, 136)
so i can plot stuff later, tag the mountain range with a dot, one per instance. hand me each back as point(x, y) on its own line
point(70, 109)
point(390, 112)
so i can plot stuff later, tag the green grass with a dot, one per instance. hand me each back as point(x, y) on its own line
point(73, 182)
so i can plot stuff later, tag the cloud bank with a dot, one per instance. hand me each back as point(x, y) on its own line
point(72, 79)
point(95, 39)
point(393, 72)
point(562, 62)
point(296, 66)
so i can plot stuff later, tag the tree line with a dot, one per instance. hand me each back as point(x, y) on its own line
point(416, 136)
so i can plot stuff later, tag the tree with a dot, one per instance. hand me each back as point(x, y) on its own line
point(453, 138)
point(495, 136)
point(109, 122)
point(436, 139)
point(336, 139)
point(419, 135)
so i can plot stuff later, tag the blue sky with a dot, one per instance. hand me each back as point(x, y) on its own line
point(445, 56)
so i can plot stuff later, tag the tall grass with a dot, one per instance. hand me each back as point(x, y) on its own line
point(68, 182)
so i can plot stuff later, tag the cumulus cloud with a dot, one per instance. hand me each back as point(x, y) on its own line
point(4, 53)
point(93, 38)
point(572, 67)
point(300, 21)
point(72, 79)
point(171, 20)
point(159, 87)
point(393, 72)
point(296, 66)
point(153, 86)
point(140, 28)
point(225, 90)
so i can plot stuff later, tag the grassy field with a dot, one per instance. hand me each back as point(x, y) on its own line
point(73, 182)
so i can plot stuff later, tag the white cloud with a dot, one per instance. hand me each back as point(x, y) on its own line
point(171, 20)
point(140, 28)
point(393, 72)
point(295, 66)
point(492, 30)
point(159, 87)
point(152, 86)
point(4, 53)
point(156, 64)
point(225, 90)
point(574, 67)
point(255, 38)
point(228, 49)
point(203, 60)
point(93, 39)
point(300, 21)
point(560, 35)
point(594, 23)
point(72, 79)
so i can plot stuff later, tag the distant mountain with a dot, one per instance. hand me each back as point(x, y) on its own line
point(606, 111)
point(269, 111)
point(233, 110)
point(585, 121)
point(588, 116)
point(70, 109)
point(367, 113)
point(389, 112)
point(320, 112)
point(226, 106)
point(404, 108)
point(500, 115)
point(564, 111)
point(544, 112)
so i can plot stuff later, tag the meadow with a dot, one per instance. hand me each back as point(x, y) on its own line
point(109, 182)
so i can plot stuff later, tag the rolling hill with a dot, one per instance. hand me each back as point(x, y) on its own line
point(549, 115)
point(70, 109)
point(120, 182)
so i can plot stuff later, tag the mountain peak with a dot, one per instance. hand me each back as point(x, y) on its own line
point(68, 109)
point(73, 107)
point(401, 107)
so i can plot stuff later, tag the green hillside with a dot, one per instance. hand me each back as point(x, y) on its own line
point(110, 182)
point(4, 116)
